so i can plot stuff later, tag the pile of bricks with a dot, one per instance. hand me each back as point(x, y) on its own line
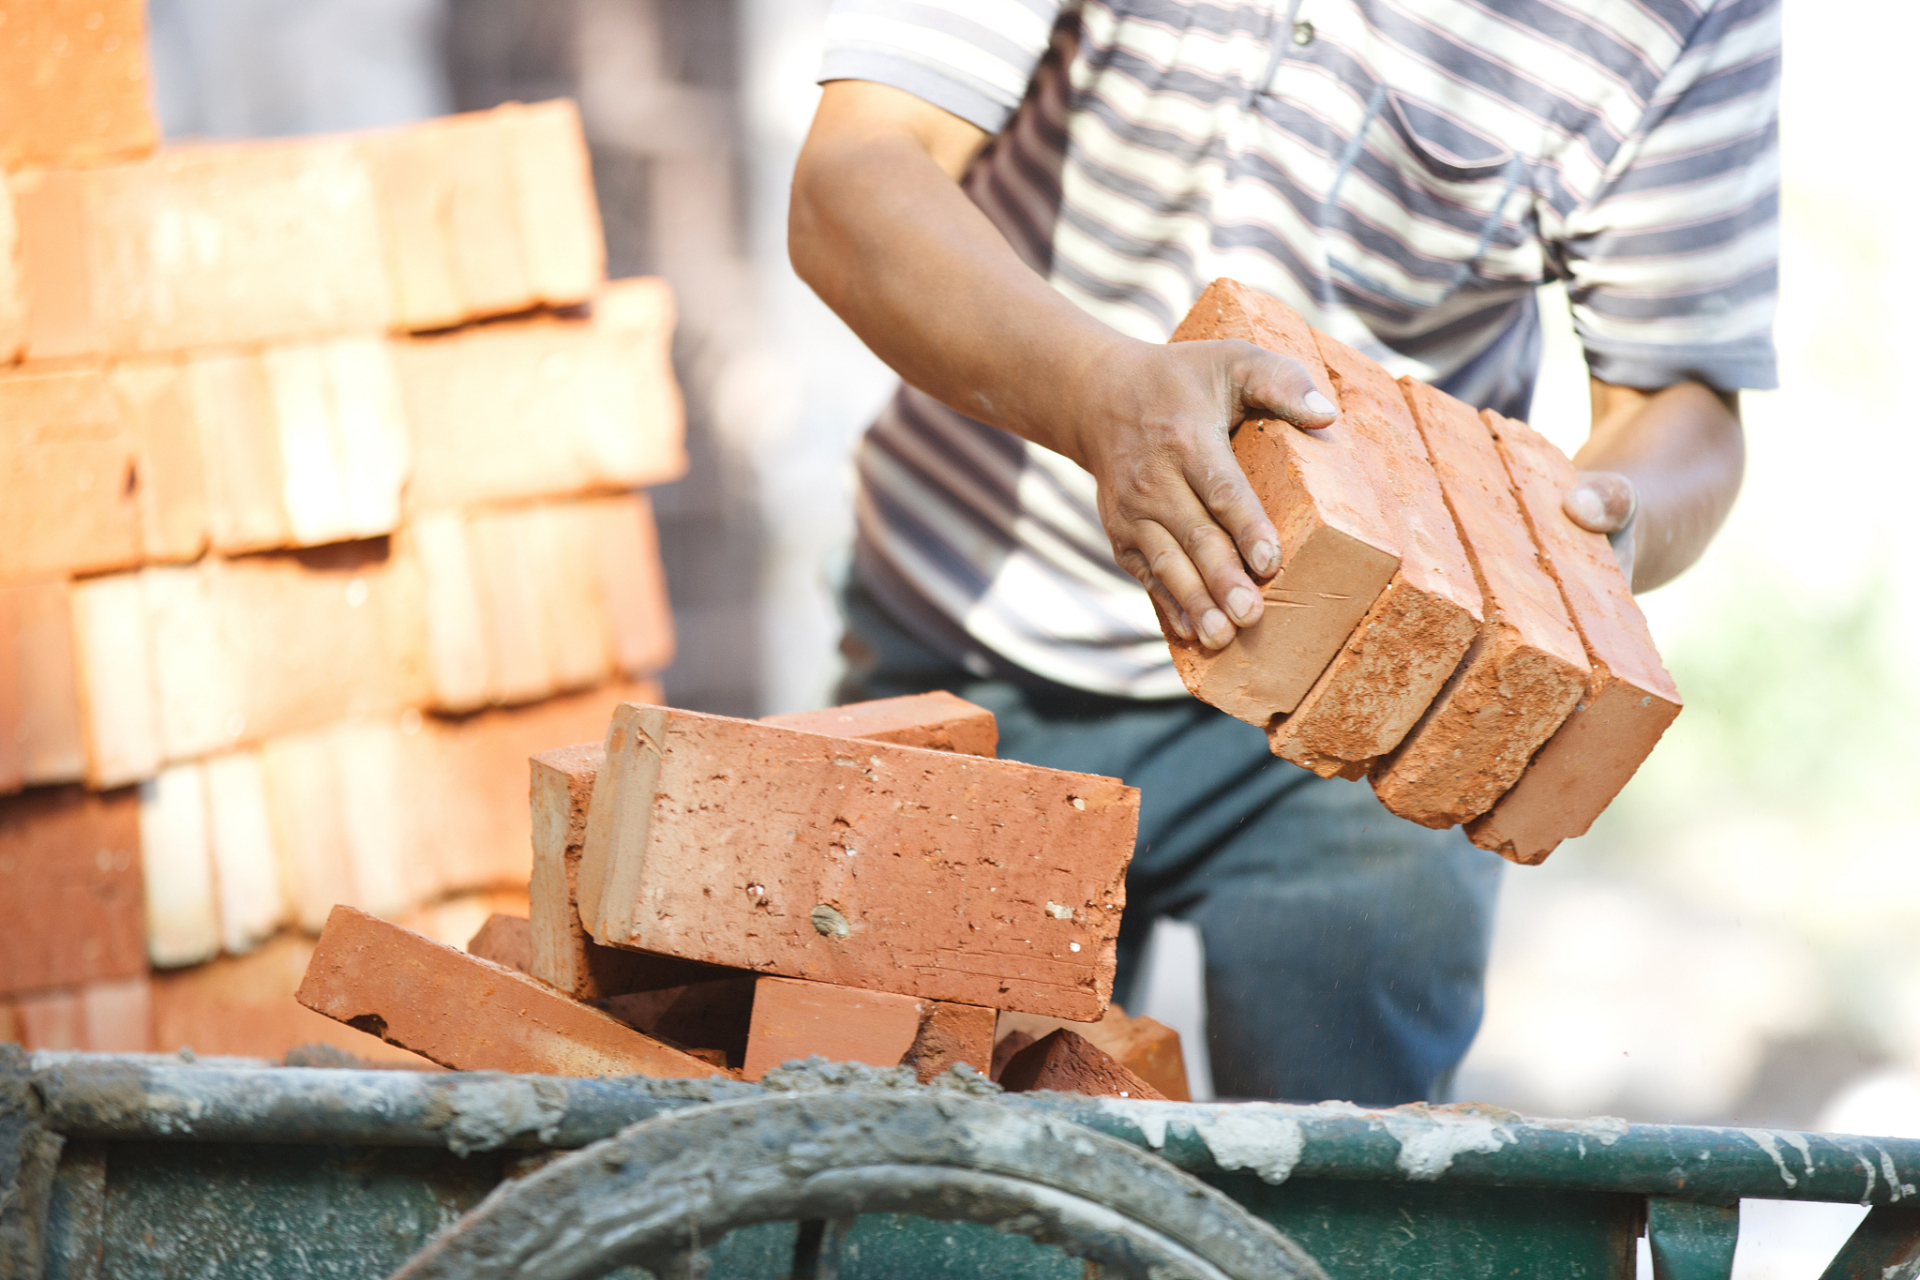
point(1438, 624)
point(320, 463)
point(713, 896)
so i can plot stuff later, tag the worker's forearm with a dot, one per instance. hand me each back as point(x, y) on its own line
point(1684, 451)
point(898, 251)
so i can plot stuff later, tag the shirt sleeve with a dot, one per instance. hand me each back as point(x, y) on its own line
point(1673, 269)
point(970, 57)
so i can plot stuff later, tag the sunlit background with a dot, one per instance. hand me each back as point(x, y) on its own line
point(1738, 941)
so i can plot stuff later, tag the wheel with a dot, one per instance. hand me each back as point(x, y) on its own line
point(653, 1193)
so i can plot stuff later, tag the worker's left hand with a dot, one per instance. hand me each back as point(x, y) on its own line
point(1606, 502)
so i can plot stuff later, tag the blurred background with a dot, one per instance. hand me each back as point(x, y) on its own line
point(1737, 941)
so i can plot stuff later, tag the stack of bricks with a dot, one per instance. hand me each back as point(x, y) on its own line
point(714, 897)
point(1438, 624)
point(321, 463)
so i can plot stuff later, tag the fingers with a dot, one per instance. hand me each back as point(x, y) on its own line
point(1172, 568)
point(1602, 501)
point(1278, 386)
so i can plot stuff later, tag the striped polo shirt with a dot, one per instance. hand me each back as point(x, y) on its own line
point(1405, 173)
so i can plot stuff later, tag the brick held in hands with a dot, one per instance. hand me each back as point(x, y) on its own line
point(938, 721)
point(286, 246)
point(468, 1013)
point(1527, 666)
point(505, 940)
point(877, 866)
point(793, 1019)
point(1629, 700)
point(1399, 657)
point(545, 407)
point(1066, 1062)
point(41, 736)
point(70, 888)
point(1337, 551)
point(74, 75)
point(68, 476)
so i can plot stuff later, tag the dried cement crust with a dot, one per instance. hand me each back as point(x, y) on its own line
point(653, 1194)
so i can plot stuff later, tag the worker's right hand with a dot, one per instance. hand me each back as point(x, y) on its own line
point(1154, 427)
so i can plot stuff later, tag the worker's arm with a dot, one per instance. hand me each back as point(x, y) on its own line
point(881, 230)
point(1668, 463)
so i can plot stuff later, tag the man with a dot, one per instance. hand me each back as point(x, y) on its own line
point(1013, 202)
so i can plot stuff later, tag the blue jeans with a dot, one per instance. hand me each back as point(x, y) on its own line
point(1346, 949)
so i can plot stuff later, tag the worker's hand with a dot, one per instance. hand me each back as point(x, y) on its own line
point(1606, 502)
point(1154, 431)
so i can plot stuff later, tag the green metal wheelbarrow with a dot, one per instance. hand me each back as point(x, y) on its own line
point(130, 1168)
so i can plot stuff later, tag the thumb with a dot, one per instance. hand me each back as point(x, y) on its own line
point(1602, 501)
point(1272, 385)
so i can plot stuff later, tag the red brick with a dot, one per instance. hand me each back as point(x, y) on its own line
point(938, 721)
point(244, 1006)
point(505, 940)
point(1526, 668)
point(70, 889)
point(1629, 699)
point(951, 1034)
point(68, 476)
point(119, 712)
point(157, 406)
point(244, 475)
point(795, 1020)
point(553, 187)
point(176, 851)
point(488, 213)
point(73, 81)
point(545, 407)
point(1398, 658)
point(47, 733)
point(13, 736)
point(286, 246)
point(13, 297)
point(1338, 553)
point(632, 582)
point(1149, 1049)
point(243, 650)
point(342, 438)
point(468, 1013)
point(248, 885)
point(10, 1029)
point(565, 956)
point(884, 867)
point(1065, 1062)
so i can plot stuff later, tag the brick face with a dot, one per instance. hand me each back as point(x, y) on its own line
point(938, 721)
point(68, 476)
point(1338, 553)
point(73, 81)
point(547, 406)
point(1629, 700)
point(1527, 666)
point(1415, 634)
point(70, 889)
point(883, 867)
point(796, 1020)
point(41, 739)
point(1066, 1062)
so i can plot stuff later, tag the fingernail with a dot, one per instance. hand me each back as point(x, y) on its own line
point(1318, 403)
point(1587, 507)
point(1215, 629)
point(1265, 558)
point(1240, 603)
